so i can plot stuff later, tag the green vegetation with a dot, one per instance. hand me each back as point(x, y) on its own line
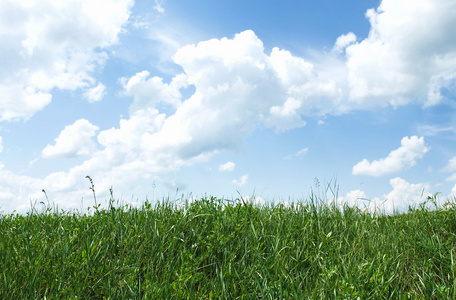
point(228, 250)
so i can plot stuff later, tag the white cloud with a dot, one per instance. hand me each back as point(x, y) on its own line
point(255, 200)
point(409, 55)
point(67, 190)
point(53, 44)
point(451, 166)
point(18, 102)
point(139, 22)
point(96, 93)
point(355, 198)
point(235, 85)
point(16, 190)
point(402, 195)
point(291, 70)
point(453, 192)
point(275, 89)
point(433, 130)
point(451, 177)
point(148, 92)
point(227, 167)
point(344, 41)
point(405, 156)
point(301, 152)
point(242, 181)
point(159, 6)
point(74, 140)
point(1, 144)
point(381, 69)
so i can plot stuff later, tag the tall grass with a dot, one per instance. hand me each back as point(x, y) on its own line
point(228, 250)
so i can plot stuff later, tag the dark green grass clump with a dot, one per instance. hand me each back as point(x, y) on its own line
point(212, 249)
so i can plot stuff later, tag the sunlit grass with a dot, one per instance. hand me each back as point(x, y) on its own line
point(212, 248)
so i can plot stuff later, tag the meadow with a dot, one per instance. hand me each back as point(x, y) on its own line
point(219, 249)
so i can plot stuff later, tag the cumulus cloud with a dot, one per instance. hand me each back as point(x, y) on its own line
point(344, 41)
point(227, 167)
point(96, 93)
point(16, 190)
point(403, 59)
point(405, 156)
point(235, 85)
point(21, 102)
point(402, 196)
point(51, 44)
point(74, 140)
point(68, 190)
point(242, 181)
point(148, 92)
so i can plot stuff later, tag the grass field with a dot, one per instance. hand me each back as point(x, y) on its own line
point(214, 249)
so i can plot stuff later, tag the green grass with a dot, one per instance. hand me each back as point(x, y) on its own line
point(215, 249)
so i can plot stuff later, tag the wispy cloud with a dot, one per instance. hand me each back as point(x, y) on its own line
point(451, 166)
point(301, 152)
point(434, 130)
point(159, 6)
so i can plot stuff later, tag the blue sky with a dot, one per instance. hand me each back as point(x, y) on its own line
point(264, 98)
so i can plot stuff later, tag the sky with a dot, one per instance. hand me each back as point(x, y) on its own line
point(268, 99)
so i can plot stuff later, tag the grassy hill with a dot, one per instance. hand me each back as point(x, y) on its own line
point(230, 250)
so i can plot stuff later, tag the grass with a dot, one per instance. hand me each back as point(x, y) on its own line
point(214, 249)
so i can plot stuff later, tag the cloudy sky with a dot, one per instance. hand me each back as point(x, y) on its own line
point(226, 98)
